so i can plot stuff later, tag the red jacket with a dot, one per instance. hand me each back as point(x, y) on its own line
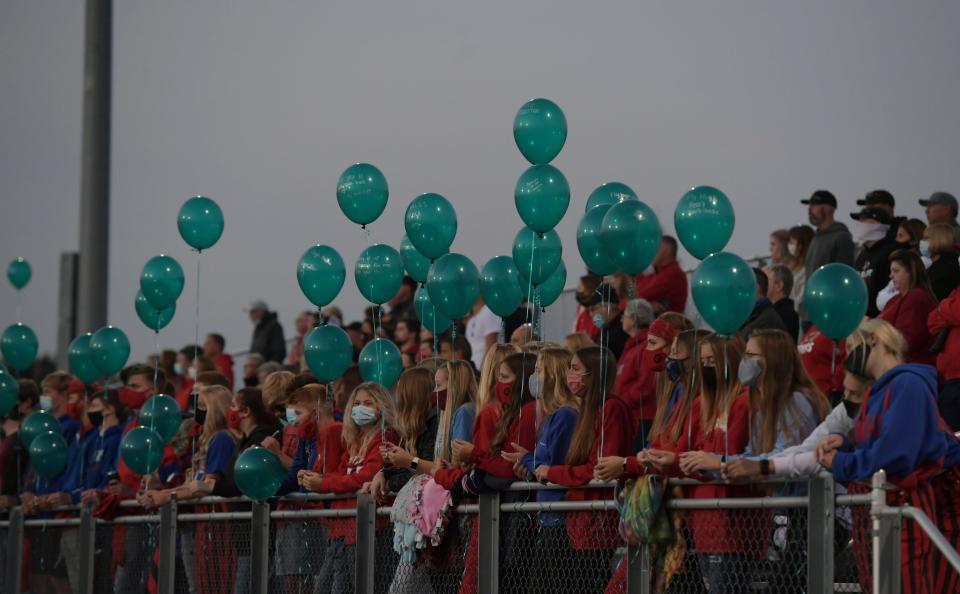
point(666, 286)
point(947, 317)
point(584, 323)
point(596, 530)
point(908, 314)
point(636, 384)
point(224, 364)
point(183, 394)
point(523, 431)
point(823, 367)
point(688, 437)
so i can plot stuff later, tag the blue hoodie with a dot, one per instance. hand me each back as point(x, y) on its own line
point(902, 427)
point(552, 445)
point(303, 460)
point(94, 460)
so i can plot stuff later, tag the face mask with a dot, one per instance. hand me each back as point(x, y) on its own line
point(924, 248)
point(534, 384)
point(582, 298)
point(749, 372)
point(503, 390)
point(291, 416)
point(132, 398)
point(598, 321)
point(852, 408)
point(75, 409)
point(674, 369)
point(178, 369)
point(200, 415)
point(307, 430)
point(233, 419)
point(440, 398)
point(793, 248)
point(869, 231)
point(655, 360)
point(250, 382)
point(710, 377)
point(363, 415)
point(46, 403)
point(192, 373)
point(575, 383)
point(96, 417)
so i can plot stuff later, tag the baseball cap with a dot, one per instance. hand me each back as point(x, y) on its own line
point(258, 304)
point(869, 213)
point(877, 197)
point(941, 198)
point(821, 197)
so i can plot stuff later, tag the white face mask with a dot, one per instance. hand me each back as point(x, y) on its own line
point(793, 248)
point(46, 403)
point(870, 231)
point(192, 373)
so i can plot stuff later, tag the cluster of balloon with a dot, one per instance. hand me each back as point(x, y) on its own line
point(19, 273)
point(704, 220)
point(258, 473)
point(836, 300)
point(724, 291)
point(19, 346)
point(161, 283)
point(40, 434)
point(162, 414)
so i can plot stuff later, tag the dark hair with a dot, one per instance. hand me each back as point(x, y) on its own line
point(29, 392)
point(213, 378)
point(252, 398)
point(914, 228)
point(410, 282)
point(350, 379)
point(142, 369)
point(762, 283)
point(300, 380)
point(803, 235)
point(218, 338)
point(523, 365)
point(111, 398)
point(918, 272)
point(670, 241)
point(412, 325)
point(189, 351)
point(602, 367)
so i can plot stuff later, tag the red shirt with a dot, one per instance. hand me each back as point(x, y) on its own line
point(224, 364)
point(584, 323)
point(823, 366)
point(666, 286)
point(183, 394)
point(908, 314)
point(636, 384)
point(947, 317)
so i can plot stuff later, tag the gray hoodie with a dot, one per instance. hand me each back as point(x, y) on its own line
point(834, 244)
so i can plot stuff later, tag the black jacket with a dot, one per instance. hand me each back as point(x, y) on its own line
point(763, 317)
point(614, 337)
point(227, 486)
point(788, 313)
point(268, 338)
point(873, 264)
point(944, 275)
point(426, 445)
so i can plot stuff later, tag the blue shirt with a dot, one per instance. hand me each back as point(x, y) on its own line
point(303, 460)
point(219, 453)
point(553, 442)
point(462, 426)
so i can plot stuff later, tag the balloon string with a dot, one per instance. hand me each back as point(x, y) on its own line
point(603, 374)
point(196, 355)
point(377, 324)
point(726, 402)
point(19, 305)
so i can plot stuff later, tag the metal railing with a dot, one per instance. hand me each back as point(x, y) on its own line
point(774, 544)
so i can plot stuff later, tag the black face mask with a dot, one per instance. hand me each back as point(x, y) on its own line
point(674, 369)
point(852, 408)
point(583, 298)
point(96, 417)
point(200, 415)
point(710, 377)
point(250, 382)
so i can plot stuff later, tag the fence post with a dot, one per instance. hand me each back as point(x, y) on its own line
point(366, 536)
point(168, 548)
point(260, 548)
point(488, 550)
point(14, 546)
point(639, 578)
point(886, 540)
point(86, 548)
point(820, 518)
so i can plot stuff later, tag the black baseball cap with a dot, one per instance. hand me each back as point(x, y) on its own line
point(941, 198)
point(872, 213)
point(821, 197)
point(877, 197)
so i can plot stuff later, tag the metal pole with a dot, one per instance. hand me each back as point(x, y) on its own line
point(488, 550)
point(95, 167)
point(14, 550)
point(87, 548)
point(886, 540)
point(168, 548)
point(260, 549)
point(366, 536)
point(639, 578)
point(820, 517)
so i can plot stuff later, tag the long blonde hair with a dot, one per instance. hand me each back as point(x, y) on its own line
point(414, 391)
point(461, 389)
point(217, 400)
point(356, 438)
point(488, 372)
point(887, 336)
point(554, 392)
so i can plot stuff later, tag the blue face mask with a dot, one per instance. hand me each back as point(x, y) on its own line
point(46, 403)
point(291, 416)
point(924, 248)
point(534, 384)
point(598, 321)
point(674, 369)
point(363, 415)
point(749, 372)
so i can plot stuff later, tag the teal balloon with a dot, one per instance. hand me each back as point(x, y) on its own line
point(542, 196)
point(550, 290)
point(152, 317)
point(110, 349)
point(540, 130)
point(320, 274)
point(37, 424)
point(200, 222)
point(454, 284)
point(380, 362)
point(162, 414)
point(416, 265)
point(631, 234)
point(431, 319)
point(19, 273)
point(500, 286)
point(536, 256)
point(836, 300)
point(609, 194)
point(80, 358)
point(9, 391)
point(258, 473)
point(362, 193)
point(19, 346)
point(328, 352)
point(589, 243)
point(379, 273)
point(724, 291)
point(48, 454)
point(704, 221)
point(161, 281)
point(142, 450)
point(431, 225)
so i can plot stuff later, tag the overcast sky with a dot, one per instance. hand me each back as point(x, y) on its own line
point(261, 105)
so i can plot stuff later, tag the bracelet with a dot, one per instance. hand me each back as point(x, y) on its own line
point(624, 464)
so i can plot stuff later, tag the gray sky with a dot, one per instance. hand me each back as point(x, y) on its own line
point(261, 105)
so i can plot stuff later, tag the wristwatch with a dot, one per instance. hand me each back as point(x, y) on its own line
point(764, 467)
point(414, 463)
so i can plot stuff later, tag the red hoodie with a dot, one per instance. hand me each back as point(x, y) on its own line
point(224, 364)
point(584, 323)
point(817, 354)
point(947, 317)
point(666, 286)
point(636, 384)
point(908, 314)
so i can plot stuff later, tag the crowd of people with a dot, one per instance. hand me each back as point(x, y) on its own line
point(636, 390)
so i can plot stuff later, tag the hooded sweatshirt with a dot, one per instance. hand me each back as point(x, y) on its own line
point(833, 244)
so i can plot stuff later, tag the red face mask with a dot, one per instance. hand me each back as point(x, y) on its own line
point(132, 398)
point(503, 390)
point(233, 419)
point(307, 430)
point(75, 409)
point(655, 360)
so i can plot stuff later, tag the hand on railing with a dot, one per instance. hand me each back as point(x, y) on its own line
point(693, 462)
point(827, 449)
point(377, 487)
point(741, 469)
point(541, 473)
point(660, 459)
point(310, 480)
point(462, 450)
point(516, 458)
point(90, 497)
